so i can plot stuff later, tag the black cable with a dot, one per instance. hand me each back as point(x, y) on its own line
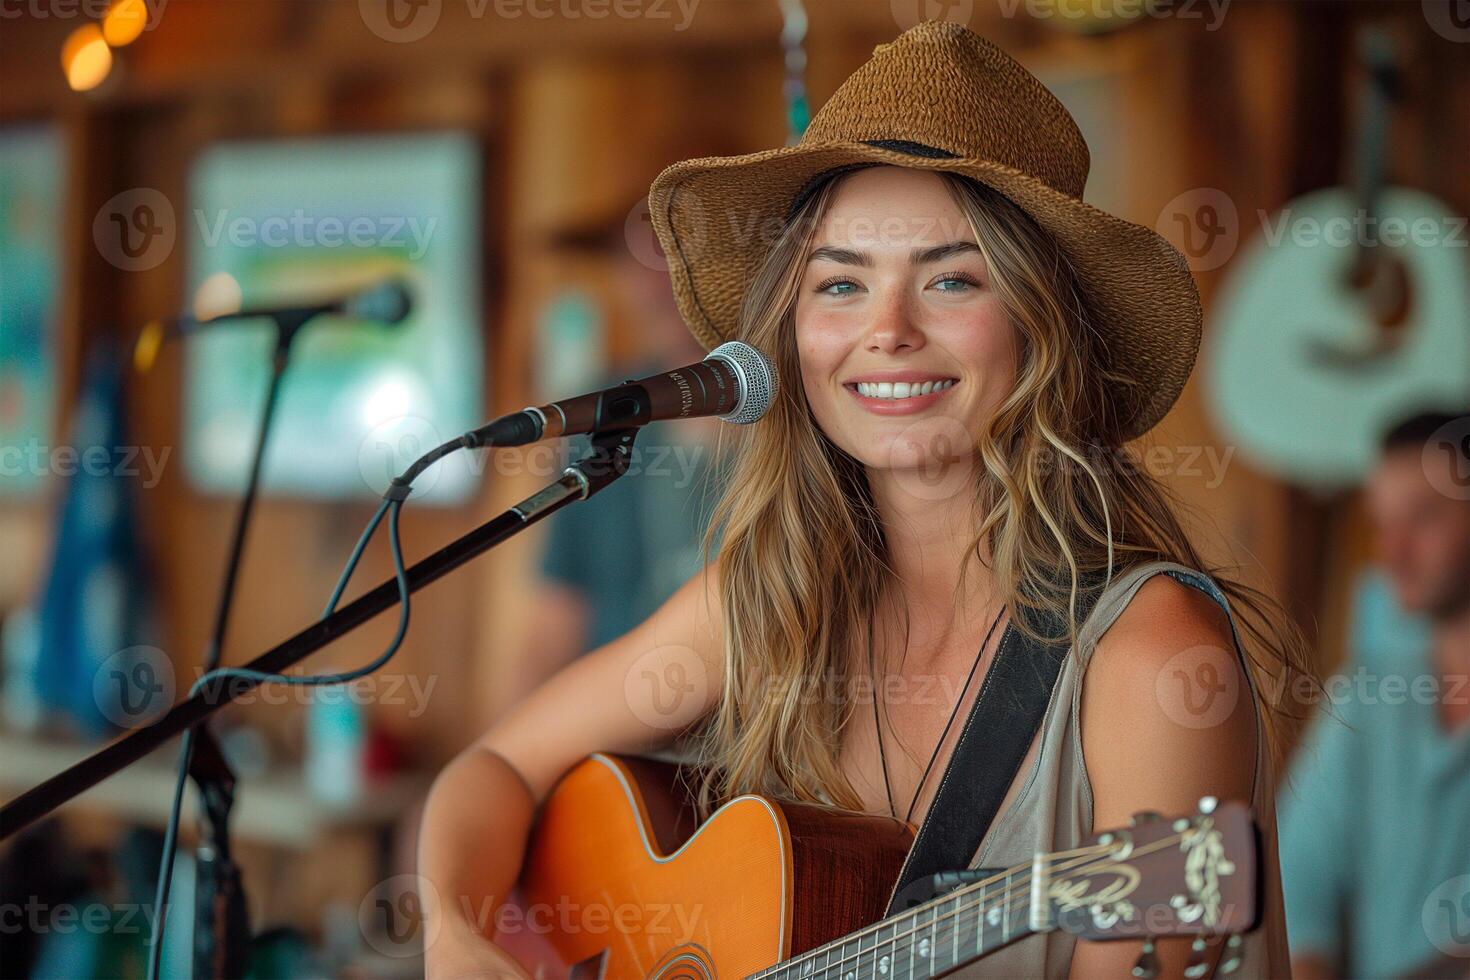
point(392, 505)
point(393, 499)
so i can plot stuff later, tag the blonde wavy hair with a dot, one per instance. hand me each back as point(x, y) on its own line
point(802, 555)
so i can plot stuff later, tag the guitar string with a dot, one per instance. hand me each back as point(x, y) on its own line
point(981, 886)
point(1018, 902)
point(1080, 854)
point(952, 930)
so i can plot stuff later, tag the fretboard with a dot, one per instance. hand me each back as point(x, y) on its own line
point(928, 941)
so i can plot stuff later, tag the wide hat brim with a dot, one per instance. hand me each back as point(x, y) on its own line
point(716, 218)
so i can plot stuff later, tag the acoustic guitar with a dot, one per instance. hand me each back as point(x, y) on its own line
point(619, 882)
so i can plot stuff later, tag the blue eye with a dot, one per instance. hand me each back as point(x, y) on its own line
point(954, 283)
point(837, 287)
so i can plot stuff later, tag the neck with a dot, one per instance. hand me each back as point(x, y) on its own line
point(930, 533)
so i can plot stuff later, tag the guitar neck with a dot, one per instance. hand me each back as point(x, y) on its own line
point(933, 938)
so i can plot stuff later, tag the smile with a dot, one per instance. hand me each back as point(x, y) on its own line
point(900, 389)
point(900, 397)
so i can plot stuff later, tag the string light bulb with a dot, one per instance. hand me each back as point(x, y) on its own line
point(85, 58)
point(124, 21)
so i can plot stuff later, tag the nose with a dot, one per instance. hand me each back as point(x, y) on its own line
point(893, 327)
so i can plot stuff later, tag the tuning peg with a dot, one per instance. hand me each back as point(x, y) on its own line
point(1207, 804)
point(1144, 816)
point(1148, 961)
point(1199, 962)
point(1233, 955)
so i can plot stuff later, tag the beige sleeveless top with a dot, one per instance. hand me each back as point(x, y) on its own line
point(1049, 806)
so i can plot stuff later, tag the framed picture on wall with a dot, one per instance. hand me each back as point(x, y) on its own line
point(285, 222)
point(32, 167)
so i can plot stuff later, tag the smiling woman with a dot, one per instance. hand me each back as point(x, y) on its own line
point(964, 343)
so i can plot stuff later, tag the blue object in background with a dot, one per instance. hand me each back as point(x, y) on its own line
point(94, 609)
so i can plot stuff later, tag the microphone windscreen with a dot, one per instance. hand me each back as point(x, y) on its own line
point(757, 377)
point(388, 303)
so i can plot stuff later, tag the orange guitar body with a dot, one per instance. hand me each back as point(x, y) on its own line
point(620, 883)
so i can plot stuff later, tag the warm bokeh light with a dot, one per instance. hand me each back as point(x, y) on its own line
point(124, 21)
point(86, 58)
point(218, 295)
point(145, 351)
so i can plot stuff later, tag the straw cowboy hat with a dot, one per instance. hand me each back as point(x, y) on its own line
point(940, 98)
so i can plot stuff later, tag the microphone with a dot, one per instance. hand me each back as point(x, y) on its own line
point(736, 383)
point(388, 303)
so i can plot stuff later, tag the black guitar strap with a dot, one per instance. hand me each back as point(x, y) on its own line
point(998, 733)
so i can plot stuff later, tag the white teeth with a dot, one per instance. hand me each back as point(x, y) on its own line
point(901, 389)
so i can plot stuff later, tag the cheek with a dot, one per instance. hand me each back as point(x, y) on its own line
point(990, 346)
point(821, 347)
point(983, 342)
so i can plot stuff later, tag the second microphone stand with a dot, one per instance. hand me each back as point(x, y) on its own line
point(221, 950)
point(221, 945)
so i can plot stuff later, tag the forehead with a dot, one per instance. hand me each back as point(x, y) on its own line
point(893, 207)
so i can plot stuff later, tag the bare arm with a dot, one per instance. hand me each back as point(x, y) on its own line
point(556, 634)
point(632, 695)
point(1151, 743)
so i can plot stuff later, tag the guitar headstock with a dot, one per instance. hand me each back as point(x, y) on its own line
point(1188, 876)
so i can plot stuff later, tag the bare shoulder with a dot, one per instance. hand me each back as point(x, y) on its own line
point(1167, 715)
point(1165, 618)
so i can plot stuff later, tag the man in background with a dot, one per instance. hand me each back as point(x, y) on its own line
point(1375, 819)
point(610, 562)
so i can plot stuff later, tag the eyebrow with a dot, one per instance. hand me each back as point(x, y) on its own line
point(923, 256)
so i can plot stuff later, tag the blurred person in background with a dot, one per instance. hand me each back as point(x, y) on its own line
point(1375, 823)
point(610, 562)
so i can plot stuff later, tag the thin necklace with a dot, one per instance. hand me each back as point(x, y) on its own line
point(954, 713)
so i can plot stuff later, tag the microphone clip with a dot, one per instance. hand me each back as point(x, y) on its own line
point(610, 457)
point(625, 406)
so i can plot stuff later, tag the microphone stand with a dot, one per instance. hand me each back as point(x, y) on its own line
point(608, 460)
point(221, 916)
